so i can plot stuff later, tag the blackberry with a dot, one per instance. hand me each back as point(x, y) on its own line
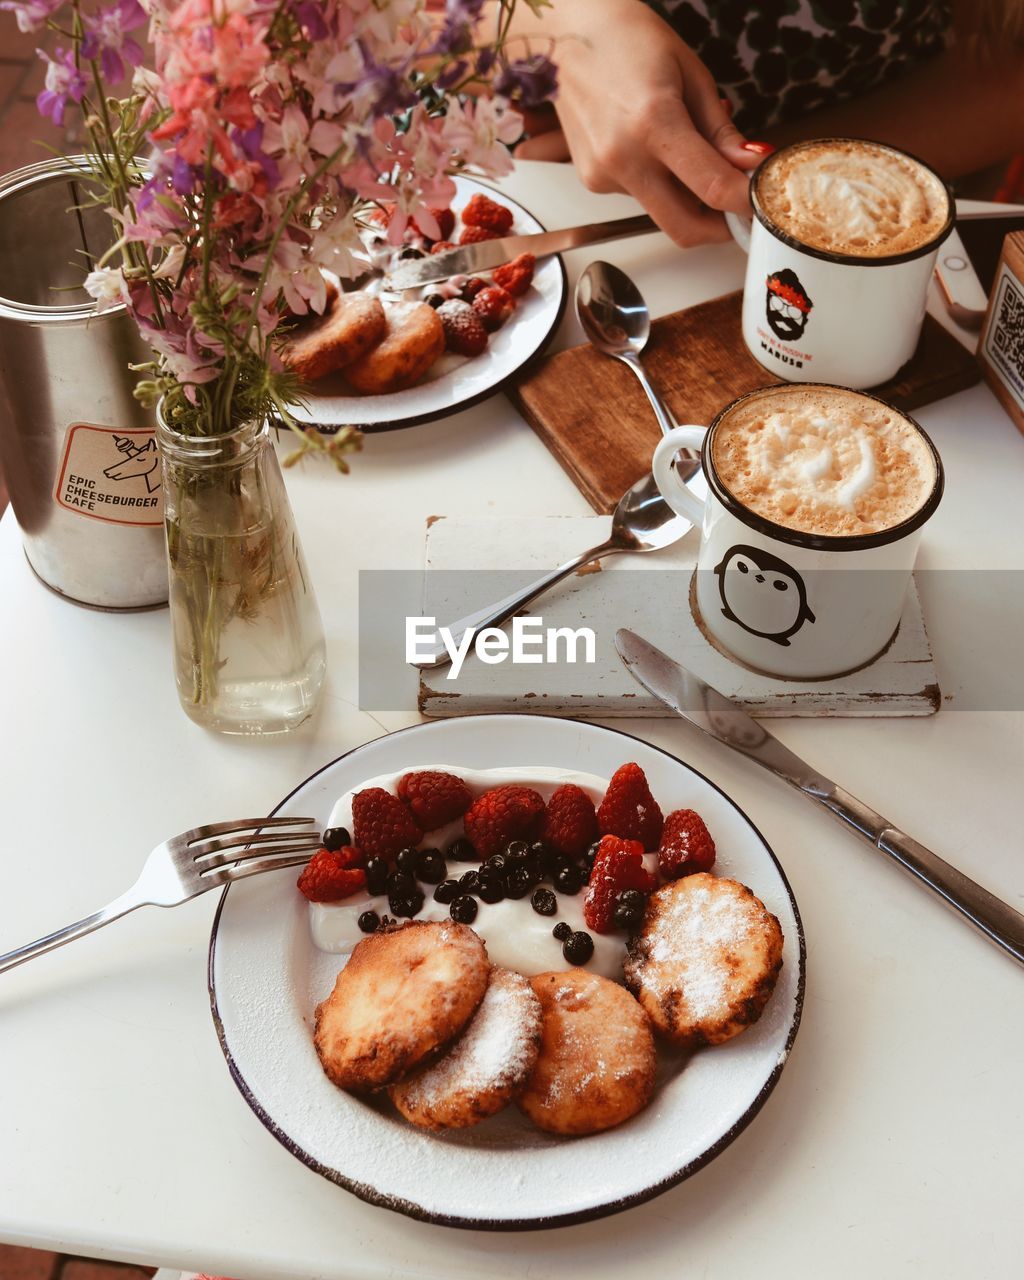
point(578, 947)
point(518, 883)
point(336, 838)
point(369, 922)
point(490, 888)
point(430, 866)
point(516, 851)
point(446, 891)
point(461, 850)
point(544, 902)
point(377, 876)
point(406, 860)
point(463, 910)
point(562, 931)
point(630, 906)
point(401, 884)
point(469, 881)
point(568, 879)
point(406, 907)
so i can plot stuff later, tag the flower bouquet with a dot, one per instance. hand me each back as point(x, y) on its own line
point(236, 169)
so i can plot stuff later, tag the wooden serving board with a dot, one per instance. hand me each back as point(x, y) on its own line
point(592, 413)
point(468, 562)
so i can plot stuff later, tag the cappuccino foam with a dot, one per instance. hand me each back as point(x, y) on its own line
point(855, 198)
point(823, 461)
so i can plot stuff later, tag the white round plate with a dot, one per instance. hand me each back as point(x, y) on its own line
point(266, 978)
point(454, 382)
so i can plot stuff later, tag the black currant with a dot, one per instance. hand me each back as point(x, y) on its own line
point(336, 838)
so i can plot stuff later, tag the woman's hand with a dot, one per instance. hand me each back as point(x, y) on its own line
point(639, 112)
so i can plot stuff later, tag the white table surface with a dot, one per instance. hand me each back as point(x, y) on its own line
point(891, 1145)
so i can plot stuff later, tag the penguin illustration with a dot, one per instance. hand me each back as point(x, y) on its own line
point(762, 594)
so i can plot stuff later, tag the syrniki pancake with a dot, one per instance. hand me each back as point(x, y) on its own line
point(485, 1068)
point(351, 325)
point(413, 340)
point(706, 960)
point(403, 996)
point(597, 1060)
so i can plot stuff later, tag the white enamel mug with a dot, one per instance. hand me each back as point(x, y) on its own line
point(810, 315)
point(779, 600)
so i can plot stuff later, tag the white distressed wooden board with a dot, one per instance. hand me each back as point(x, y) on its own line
point(902, 682)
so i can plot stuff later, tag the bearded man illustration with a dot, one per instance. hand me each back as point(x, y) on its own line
point(787, 305)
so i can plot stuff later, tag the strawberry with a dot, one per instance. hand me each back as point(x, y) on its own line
point(329, 876)
point(618, 866)
point(505, 813)
point(570, 822)
point(628, 808)
point(381, 825)
point(442, 246)
point(515, 277)
point(482, 211)
point(686, 845)
point(434, 798)
point(472, 235)
point(494, 306)
point(464, 333)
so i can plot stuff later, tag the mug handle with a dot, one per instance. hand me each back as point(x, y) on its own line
point(679, 498)
point(740, 228)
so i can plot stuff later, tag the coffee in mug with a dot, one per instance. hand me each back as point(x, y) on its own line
point(841, 252)
point(805, 484)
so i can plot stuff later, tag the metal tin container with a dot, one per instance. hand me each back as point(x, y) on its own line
point(78, 452)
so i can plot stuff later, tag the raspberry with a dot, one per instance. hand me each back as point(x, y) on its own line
point(471, 287)
point(434, 798)
point(328, 876)
point(464, 333)
point(382, 825)
point(500, 815)
point(494, 306)
point(442, 246)
point(628, 808)
point(481, 211)
point(618, 866)
point(686, 845)
point(471, 235)
point(515, 277)
point(570, 823)
point(445, 219)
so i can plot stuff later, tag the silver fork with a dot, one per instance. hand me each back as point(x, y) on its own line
point(188, 865)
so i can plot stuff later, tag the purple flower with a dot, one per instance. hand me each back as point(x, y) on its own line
point(63, 81)
point(32, 14)
point(250, 143)
point(107, 40)
point(309, 13)
point(530, 81)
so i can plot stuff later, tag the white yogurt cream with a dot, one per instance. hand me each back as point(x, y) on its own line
point(517, 937)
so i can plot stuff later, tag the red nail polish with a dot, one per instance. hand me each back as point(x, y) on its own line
point(759, 148)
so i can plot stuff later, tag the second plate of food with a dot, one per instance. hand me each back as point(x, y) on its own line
point(267, 977)
point(454, 382)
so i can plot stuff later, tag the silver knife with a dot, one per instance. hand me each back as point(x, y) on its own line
point(720, 718)
point(492, 253)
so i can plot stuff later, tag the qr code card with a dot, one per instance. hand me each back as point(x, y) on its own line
point(1003, 343)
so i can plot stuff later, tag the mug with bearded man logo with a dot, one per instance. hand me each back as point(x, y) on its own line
point(788, 306)
point(841, 249)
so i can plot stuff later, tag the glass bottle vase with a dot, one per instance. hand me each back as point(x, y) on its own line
point(249, 653)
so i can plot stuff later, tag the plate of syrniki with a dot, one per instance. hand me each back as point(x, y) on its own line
point(392, 340)
point(428, 1071)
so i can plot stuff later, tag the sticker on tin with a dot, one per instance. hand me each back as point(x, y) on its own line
point(111, 474)
point(1004, 342)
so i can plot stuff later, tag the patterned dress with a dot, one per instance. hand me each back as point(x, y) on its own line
point(783, 58)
